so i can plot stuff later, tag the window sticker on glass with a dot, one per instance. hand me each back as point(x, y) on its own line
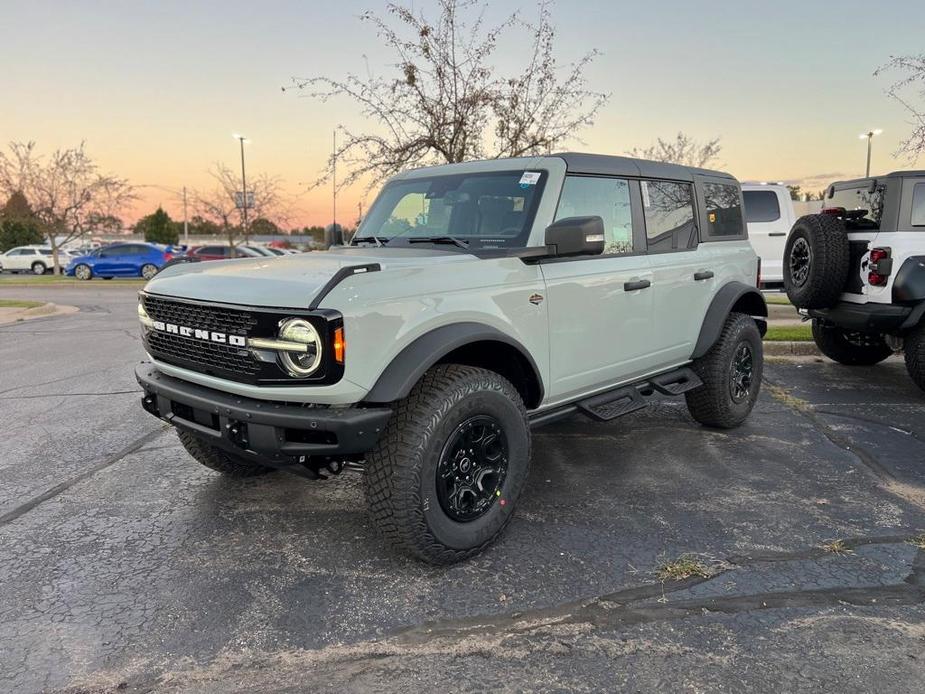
point(530, 178)
point(645, 195)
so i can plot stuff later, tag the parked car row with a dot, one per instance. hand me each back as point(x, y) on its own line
point(135, 259)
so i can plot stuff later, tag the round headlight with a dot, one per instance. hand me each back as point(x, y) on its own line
point(300, 332)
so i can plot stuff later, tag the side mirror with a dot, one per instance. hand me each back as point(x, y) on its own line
point(576, 236)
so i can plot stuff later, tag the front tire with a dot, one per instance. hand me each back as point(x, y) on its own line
point(217, 459)
point(915, 355)
point(83, 272)
point(850, 347)
point(443, 481)
point(731, 374)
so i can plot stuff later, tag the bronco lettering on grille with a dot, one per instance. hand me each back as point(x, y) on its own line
point(210, 336)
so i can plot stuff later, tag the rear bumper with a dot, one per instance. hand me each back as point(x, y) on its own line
point(274, 430)
point(870, 317)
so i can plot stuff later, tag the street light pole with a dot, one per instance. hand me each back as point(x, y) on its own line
point(241, 139)
point(185, 220)
point(870, 136)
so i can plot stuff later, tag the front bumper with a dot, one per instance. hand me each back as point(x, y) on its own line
point(277, 431)
point(870, 317)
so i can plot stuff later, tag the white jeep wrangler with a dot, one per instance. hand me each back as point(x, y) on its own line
point(858, 270)
point(476, 301)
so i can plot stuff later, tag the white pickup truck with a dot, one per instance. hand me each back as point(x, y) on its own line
point(770, 216)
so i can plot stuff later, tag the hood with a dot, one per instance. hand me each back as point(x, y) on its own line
point(286, 281)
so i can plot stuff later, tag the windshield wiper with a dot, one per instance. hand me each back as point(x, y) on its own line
point(439, 239)
point(374, 239)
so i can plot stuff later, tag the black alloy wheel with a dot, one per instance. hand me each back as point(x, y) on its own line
point(801, 259)
point(743, 370)
point(472, 468)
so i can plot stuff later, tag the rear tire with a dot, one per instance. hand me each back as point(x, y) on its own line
point(39, 268)
point(731, 374)
point(443, 481)
point(850, 347)
point(148, 271)
point(915, 355)
point(217, 459)
point(816, 260)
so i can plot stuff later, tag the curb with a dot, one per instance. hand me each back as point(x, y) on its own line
point(791, 349)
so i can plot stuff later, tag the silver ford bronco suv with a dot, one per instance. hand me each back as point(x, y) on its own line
point(475, 302)
point(858, 270)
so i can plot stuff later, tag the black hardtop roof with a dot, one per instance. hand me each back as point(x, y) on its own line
point(604, 164)
point(911, 173)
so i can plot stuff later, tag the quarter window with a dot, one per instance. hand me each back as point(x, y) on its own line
point(607, 198)
point(669, 213)
point(918, 205)
point(724, 210)
point(761, 206)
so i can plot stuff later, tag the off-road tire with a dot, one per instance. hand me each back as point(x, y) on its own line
point(713, 403)
point(915, 355)
point(401, 472)
point(829, 258)
point(851, 348)
point(39, 268)
point(217, 459)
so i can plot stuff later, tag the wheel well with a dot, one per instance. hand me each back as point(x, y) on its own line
point(503, 359)
point(750, 304)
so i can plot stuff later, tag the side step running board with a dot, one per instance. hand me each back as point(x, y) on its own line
point(620, 401)
point(617, 403)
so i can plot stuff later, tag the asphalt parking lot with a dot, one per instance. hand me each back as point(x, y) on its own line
point(125, 565)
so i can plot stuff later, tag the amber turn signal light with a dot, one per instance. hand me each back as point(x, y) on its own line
point(340, 345)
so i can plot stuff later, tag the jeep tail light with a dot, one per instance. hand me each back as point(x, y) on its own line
point(880, 267)
point(340, 345)
point(835, 211)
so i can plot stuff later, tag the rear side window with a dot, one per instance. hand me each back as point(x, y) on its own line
point(607, 198)
point(669, 215)
point(860, 207)
point(724, 210)
point(918, 205)
point(761, 206)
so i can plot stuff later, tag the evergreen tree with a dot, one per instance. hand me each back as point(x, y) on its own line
point(159, 228)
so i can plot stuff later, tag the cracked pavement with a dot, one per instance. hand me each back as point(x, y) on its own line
point(125, 565)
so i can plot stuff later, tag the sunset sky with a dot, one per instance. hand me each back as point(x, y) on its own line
point(156, 89)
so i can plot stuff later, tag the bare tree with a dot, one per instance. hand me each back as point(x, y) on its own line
point(912, 69)
point(446, 102)
point(219, 204)
point(682, 150)
point(66, 190)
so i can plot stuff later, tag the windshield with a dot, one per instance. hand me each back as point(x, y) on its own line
point(480, 210)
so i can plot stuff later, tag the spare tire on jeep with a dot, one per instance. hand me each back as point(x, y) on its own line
point(816, 260)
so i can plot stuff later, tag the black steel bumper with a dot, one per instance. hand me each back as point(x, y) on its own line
point(273, 430)
point(872, 318)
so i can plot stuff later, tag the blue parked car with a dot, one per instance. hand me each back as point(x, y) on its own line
point(121, 260)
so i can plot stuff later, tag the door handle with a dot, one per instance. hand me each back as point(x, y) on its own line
point(703, 275)
point(778, 233)
point(633, 285)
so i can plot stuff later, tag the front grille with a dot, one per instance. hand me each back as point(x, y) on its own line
point(208, 356)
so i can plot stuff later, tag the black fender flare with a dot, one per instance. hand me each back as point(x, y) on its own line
point(748, 299)
point(406, 369)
